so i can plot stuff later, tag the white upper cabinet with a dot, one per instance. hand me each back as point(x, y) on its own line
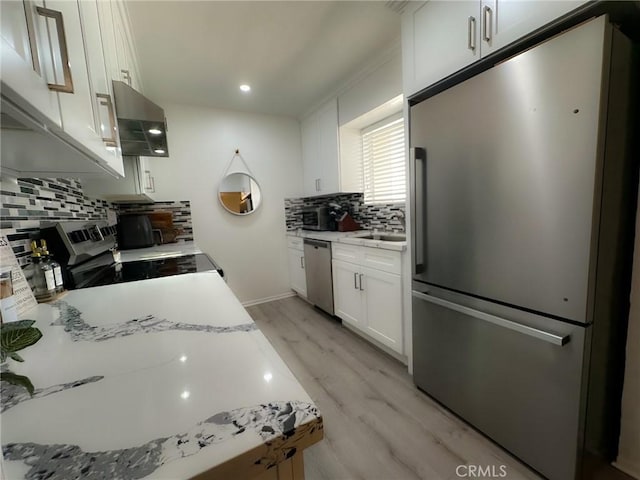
point(56, 77)
point(504, 21)
point(24, 48)
point(138, 184)
point(76, 104)
point(102, 102)
point(320, 151)
point(441, 37)
point(127, 64)
point(438, 38)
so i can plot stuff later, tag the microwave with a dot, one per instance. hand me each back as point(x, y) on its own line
point(316, 219)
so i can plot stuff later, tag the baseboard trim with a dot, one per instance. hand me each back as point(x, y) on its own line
point(628, 468)
point(251, 303)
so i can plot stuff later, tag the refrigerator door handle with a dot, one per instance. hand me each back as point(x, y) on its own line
point(549, 337)
point(418, 162)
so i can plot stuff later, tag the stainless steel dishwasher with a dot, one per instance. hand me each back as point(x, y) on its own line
point(317, 260)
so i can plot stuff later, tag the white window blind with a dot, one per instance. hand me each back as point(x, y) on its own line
point(383, 162)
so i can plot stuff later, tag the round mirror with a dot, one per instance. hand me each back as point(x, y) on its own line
point(239, 193)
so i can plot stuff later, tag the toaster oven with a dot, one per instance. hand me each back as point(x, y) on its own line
point(317, 218)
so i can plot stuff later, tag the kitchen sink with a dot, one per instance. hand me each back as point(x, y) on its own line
point(385, 238)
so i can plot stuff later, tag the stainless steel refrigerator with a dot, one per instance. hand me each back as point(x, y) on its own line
point(523, 189)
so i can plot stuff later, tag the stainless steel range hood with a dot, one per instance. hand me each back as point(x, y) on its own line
point(141, 123)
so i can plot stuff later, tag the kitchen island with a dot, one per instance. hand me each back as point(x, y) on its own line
point(163, 378)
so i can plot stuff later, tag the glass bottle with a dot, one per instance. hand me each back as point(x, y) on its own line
point(43, 279)
point(57, 270)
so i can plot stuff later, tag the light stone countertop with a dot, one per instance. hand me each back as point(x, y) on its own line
point(352, 238)
point(162, 378)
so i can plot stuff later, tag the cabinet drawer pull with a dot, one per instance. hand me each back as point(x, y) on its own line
point(361, 289)
point(105, 101)
point(67, 86)
point(471, 41)
point(301, 262)
point(487, 20)
point(355, 281)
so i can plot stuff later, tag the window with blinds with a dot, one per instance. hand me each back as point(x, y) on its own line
point(383, 162)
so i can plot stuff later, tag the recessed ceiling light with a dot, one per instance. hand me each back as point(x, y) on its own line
point(245, 88)
point(155, 131)
point(159, 150)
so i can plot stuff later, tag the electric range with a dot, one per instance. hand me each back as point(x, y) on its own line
point(85, 252)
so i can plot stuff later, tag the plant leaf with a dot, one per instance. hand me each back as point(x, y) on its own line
point(16, 357)
point(17, 339)
point(6, 327)
point(3, 355)
point(20, 380)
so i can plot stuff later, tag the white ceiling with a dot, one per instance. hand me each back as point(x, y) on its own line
point(291, 53)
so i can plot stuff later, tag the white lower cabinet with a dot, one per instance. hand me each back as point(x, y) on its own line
point(347, 296)
point(369, 299)
point(382, 298)
point(297, 273)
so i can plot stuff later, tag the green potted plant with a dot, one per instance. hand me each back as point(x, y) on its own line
point(14, 337)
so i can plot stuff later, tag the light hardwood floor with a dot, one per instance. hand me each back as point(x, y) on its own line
point(377, 424)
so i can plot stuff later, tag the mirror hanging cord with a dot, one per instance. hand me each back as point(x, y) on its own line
point(237, 155)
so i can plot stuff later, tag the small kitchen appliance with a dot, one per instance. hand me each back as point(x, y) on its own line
point(317, 218)
point(134, 231)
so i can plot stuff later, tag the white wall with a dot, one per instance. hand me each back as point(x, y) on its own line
point(251, 249)
point(629, 448)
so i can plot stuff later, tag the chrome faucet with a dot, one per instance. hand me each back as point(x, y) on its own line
point(401, 217)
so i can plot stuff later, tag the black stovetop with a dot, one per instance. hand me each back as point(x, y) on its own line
point(101, 272)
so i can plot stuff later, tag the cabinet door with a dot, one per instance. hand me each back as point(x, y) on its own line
point(109, 44)
point(148, 181)
point(504, 21)
point(24, 47)
point(77, 107)
point(328, 166)
point(382, 294)
point(100, 86)
point(438, 38)
point(309, 134)
point(296, 271)
point(126, 59)
point(347, 296)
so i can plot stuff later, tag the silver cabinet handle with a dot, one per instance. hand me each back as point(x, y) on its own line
point(418, 165)
point(361, 289)
point(549, 337)
point(67, 86)
point(487, 20)
point(105, 101)
point(355, 281)
point(301, 262)
point(471, 40)
point(126, 75)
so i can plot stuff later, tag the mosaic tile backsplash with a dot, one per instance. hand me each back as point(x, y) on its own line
point(181, 214)
point(28, 202)
point(369, 216)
